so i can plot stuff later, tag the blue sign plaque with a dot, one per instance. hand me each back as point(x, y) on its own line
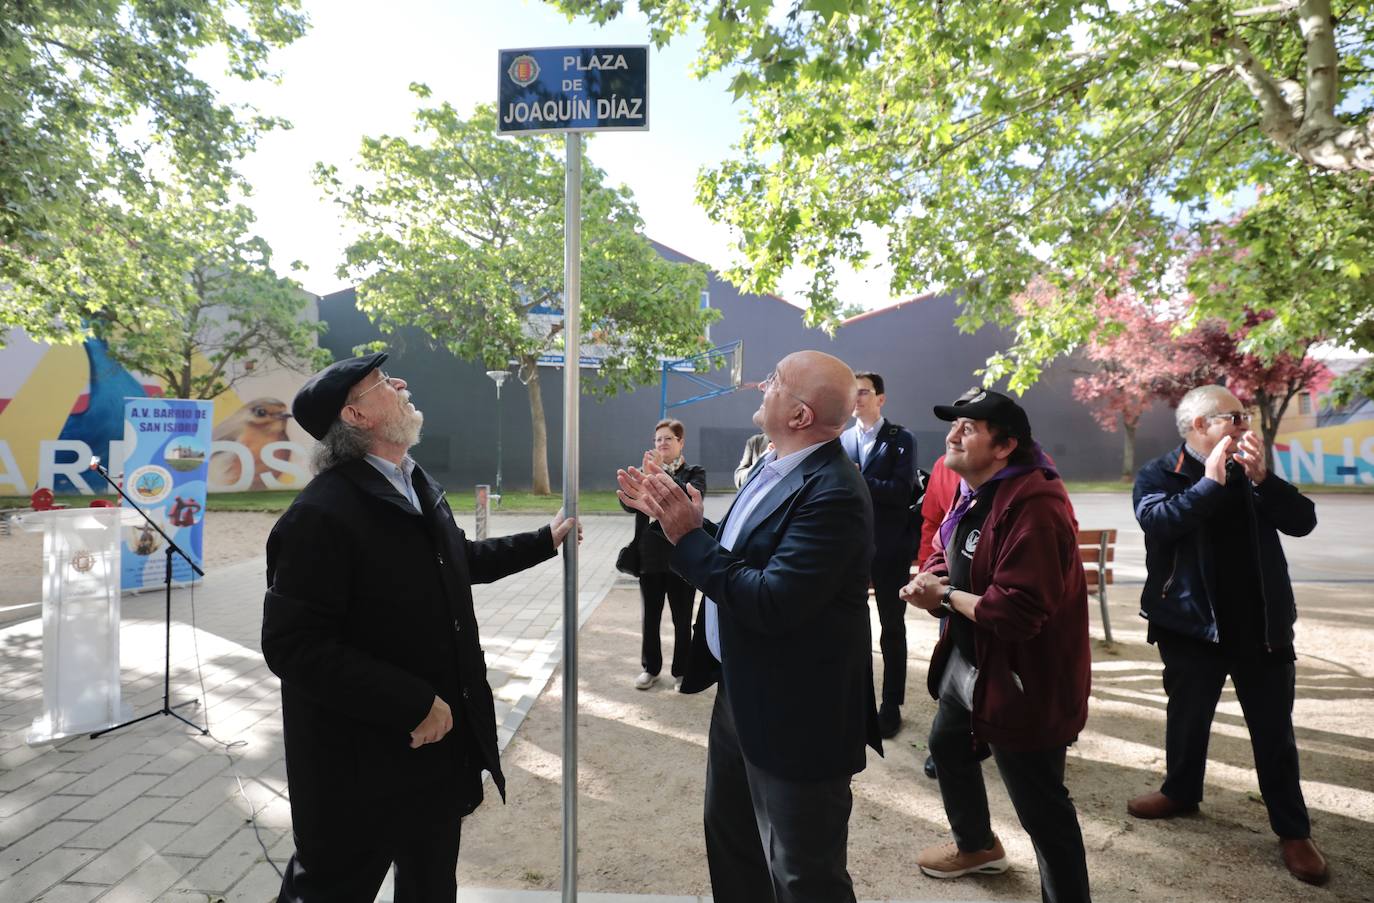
point(573, 89)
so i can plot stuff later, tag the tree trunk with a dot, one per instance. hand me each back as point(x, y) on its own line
point(1272, 408)
point(184, 390)
point(540, 455)
point(1128, 451)
point(1270, 434)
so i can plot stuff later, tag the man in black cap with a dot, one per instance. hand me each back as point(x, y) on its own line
point(369, 623)
point(1011, 670)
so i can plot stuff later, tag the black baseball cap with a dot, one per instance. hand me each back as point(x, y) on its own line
point(994, 407)
point(318, 403)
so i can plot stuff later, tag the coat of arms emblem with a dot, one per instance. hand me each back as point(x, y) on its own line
point(523, 70)
point(82, 561)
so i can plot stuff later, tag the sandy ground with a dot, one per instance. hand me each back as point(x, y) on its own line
point(642, 764)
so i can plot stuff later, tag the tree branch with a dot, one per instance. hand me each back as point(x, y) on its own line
point(1314, 21)
point(1278, 118)
point(1189, 66)
point(81, 54)
point(1287, 6)
point(1314, 136)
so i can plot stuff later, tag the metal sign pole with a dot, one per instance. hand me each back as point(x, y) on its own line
point(572, 360)
point(571, 90)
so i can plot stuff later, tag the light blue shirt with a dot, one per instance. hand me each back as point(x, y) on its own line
point(865, 439)
point(753, 492)
point(398, 476)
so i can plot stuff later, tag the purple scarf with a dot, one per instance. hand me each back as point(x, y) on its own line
point(967, 496)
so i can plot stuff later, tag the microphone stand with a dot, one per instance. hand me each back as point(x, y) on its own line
point(167, 708)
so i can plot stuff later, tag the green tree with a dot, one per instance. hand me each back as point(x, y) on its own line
point(991, 142)
point(462, 237)
point(1267, 383)
point(1303, 254)
point(98, 101)
point(216, 310)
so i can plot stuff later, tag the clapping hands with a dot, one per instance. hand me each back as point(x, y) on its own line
point(652, 492)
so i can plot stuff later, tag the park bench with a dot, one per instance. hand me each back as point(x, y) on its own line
point(1098, 550)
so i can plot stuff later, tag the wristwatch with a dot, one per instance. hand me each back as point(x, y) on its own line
point(944, 600)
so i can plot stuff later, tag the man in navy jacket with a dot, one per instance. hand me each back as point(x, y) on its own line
point(886, 456)
point(1219, 603)
point(784, 630)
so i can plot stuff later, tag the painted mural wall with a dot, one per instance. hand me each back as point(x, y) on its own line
point(1339, 454)
point(60, 405)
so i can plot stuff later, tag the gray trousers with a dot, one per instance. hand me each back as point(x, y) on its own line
point(767, 838)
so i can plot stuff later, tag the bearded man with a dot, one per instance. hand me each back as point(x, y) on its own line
point(369, 623)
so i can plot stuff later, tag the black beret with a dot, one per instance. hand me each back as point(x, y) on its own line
point(994, 407)
point(320, 400)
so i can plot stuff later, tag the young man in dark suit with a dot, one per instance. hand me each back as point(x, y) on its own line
point(784, 630)
point(885, 454)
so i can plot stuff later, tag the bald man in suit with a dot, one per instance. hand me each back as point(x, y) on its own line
point(784, 630)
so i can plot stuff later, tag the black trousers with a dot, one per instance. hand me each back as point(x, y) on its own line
point(1035, 783)
point(680, 594)
point(352, 871)
point(889, 575)
point(1194, 675)
point(767, 838)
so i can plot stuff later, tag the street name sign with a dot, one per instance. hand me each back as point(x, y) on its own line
point(573, 89)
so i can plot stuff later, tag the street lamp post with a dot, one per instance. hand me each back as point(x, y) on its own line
point(498, 377)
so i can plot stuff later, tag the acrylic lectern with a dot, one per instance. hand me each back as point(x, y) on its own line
point(81, 549)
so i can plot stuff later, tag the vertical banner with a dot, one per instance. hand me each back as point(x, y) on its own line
point(165, 471)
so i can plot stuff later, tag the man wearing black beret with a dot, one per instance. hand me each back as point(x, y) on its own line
point(369, 623)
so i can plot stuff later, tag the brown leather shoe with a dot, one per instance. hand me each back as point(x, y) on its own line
point(1304, 860)
point(1156, 805)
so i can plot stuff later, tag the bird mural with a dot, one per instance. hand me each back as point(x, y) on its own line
point(101, 417)
point(255, 425)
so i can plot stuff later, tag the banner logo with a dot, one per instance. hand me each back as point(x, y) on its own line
point(150, 484)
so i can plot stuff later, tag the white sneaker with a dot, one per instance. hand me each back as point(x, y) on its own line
point(645, 680)
point(677, 684)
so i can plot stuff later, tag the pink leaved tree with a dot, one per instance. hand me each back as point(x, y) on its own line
point(1269, 385)
point(1137, 360)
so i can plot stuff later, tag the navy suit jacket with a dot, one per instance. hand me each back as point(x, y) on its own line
point(890, 473)
point(794, 636)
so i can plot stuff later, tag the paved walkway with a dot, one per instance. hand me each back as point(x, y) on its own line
point(158, 812)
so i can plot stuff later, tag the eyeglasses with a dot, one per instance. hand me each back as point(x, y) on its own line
point(384, 381)
point(772, 380)
point(1237, 418)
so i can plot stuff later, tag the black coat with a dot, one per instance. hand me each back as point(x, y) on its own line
point(890, 472)
point(654, 547)
point(368, 616)
point(794, 634)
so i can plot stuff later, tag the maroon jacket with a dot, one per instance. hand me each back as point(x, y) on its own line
point(1032, 620)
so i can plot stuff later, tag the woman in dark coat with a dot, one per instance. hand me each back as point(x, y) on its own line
point(656, 580)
